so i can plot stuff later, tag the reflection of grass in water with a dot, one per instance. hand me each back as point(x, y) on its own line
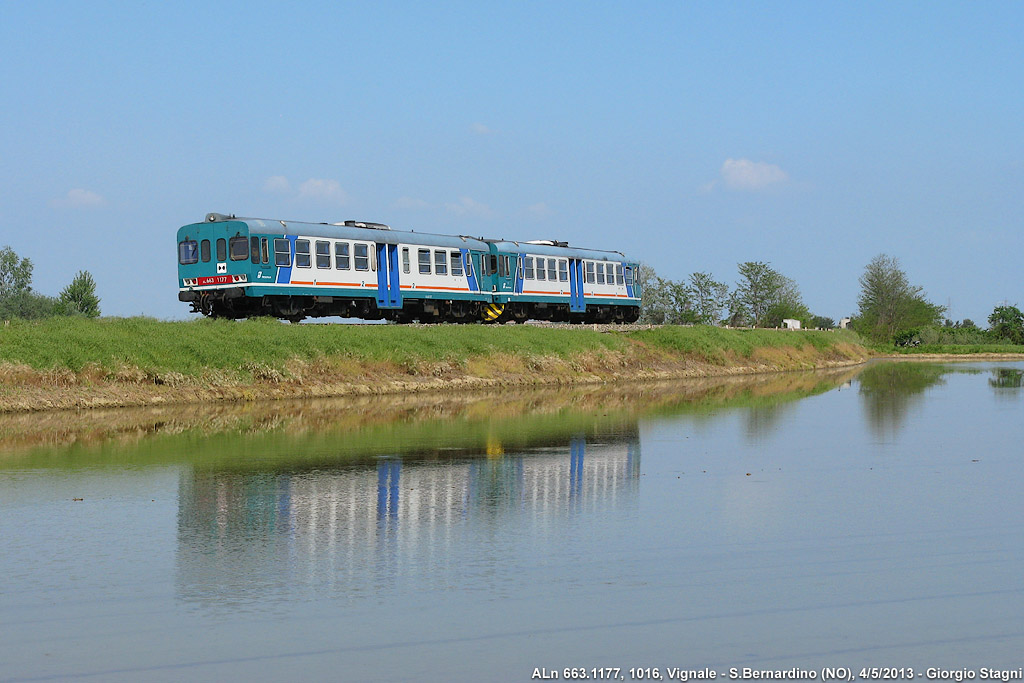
point(1006, 378)
point(338, 431)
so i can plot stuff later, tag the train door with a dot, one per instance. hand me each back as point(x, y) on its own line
point(389, 291)
point(506, 273)
point(576, 302)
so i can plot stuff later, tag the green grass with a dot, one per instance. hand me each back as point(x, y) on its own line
point(195, 347)
point(712, 343)
point(191, 347)
point(964, 349)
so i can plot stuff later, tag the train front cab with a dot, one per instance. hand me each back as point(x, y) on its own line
point(217, 262)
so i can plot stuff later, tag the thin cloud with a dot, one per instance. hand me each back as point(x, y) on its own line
point(277, 184)
point(539, 210)
point(80, 199)
point(325, 189)
point(411, 204)
point(480, 129)
point(750, 176)
point(467, 206)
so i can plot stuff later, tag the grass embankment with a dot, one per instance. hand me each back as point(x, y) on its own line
point(73, 362)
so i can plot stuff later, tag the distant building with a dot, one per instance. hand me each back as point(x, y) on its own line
point(844, 323)
point(791, 324)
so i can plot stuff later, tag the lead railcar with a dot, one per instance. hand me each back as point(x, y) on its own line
point(246, 267)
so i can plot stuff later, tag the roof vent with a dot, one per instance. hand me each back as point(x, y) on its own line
point(364, 224)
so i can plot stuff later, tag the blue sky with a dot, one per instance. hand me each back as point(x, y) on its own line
point(692, 136)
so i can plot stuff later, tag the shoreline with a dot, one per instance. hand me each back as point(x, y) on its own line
point(67, 395)
point(115, 363)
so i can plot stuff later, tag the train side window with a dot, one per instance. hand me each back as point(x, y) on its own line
point(406, 268)
point(590, 273)
point(265, 243)
point(254, 249)
point(323, 254)
point(563, 270)
point(204, 250)
point(282, 253)
point(541, 270)
point(302, 259)
point(456, 263)
point(528, 268)
point(618, 274)
point(423, 257)
point(222, 249)
point(440, 262)
point(187, 252)
point(600, 273)
point(362, 256)
point(239, 247)
point(552, 272)
point(629, 276)
point(341, 256)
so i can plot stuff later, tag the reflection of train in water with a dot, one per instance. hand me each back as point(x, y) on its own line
point(346, 521)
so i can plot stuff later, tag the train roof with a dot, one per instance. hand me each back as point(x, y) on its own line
point(562, 249)
point(377, 232)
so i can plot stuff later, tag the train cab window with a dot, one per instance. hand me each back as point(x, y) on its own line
point(406, 268)
point(341, 256)
point(239, 247)
point(504, 267)
point(362, 256)
point(302, 259)
point(222, 249)
point(552, 273)
point(528, 268)
point(618, 274)
point(440, 262)
point(323, 254)
point(541, 270)
point(204, 250)
point(563, 270)
point(265, 249)
point(423, 257)
point(590, 279)
point(456, 263)
point(282, 253)
point(629, 276)
point(600, 273)
point(188, 252)
point(254, 249)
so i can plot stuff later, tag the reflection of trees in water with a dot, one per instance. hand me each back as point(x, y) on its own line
point(890, 390)
point(1006, 378)
point(244, 534)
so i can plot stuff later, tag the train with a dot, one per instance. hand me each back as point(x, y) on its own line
point(232, 267)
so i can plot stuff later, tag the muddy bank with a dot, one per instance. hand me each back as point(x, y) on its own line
point(25, 389)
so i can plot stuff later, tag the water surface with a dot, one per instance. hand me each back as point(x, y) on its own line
point(855, 518)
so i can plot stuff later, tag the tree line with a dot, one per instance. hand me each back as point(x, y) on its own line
point(762, 297)
point(19, 300)
point(889, 309)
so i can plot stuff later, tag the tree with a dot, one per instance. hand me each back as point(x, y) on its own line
point(15, 274)
point(79, 298)
point(889, 304)
point(757, 288)
point(709, 296)
point(821, 322)
point(1007, 322)
point(786, 302)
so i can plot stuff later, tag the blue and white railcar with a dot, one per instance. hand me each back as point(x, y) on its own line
point(244, 267)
